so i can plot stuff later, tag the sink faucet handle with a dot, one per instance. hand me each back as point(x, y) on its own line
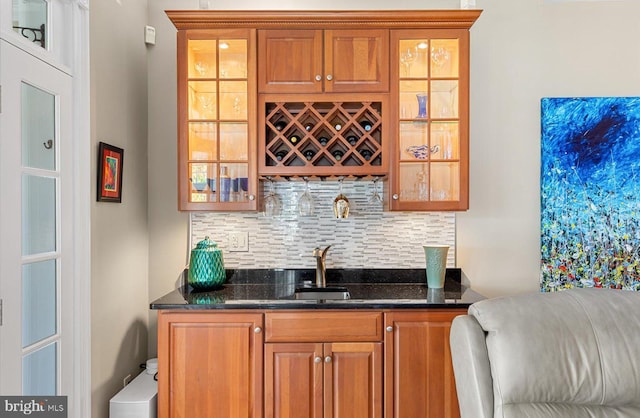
point(319, 252)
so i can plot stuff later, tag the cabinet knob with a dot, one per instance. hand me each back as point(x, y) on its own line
point(329, 77)
point(327, 359)
point(318, 77)
point(252, 197)
point(257, 330)
point(317, 360)
point(395, 196)
point(389, 328)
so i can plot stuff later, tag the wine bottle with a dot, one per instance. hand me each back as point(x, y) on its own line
point(279, 125)
point(366, 125)
point(294, 139)
point(337, 154)
point(308, 154)
point(280, 155)
point(323, 141)
point(366, 154)
point(337, 125)
point(352, 139)
point(308, 126)
point(225, 184)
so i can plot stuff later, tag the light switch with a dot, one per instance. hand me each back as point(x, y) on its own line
point(149, 35)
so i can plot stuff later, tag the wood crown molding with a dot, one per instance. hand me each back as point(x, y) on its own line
point(292, 19)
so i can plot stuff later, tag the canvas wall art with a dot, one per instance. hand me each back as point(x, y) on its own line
point(590, 193)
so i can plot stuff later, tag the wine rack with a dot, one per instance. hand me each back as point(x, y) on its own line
point(324, 138)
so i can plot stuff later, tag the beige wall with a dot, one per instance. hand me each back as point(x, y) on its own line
point(522, 50)
point(119, 250)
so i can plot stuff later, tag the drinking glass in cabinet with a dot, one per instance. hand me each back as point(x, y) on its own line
point(414, 58)
point(445, 134)
point(414, 181)
point(202, 100)
point(233, 100)
point(234, 142)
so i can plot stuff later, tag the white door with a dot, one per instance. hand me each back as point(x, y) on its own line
point(36, 226)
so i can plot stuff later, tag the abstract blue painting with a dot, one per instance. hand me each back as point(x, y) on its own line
point(590, 193)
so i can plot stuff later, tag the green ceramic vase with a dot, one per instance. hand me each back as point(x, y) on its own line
point(436, 257)
point(206, 267)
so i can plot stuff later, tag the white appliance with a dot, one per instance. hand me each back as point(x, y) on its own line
point(139, 398)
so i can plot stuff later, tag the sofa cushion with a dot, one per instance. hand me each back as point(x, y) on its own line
point(577, 347)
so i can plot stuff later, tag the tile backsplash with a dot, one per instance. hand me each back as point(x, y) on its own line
point(368, 238)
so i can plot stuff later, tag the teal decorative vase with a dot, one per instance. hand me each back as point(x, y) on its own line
point(436, 256)
point(206, 267)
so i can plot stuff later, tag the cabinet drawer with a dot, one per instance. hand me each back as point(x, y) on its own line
point(323, 326)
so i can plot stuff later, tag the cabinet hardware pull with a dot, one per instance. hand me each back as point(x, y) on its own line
point(327, 359)
point(317, 360)
point(395, 196)
point(389, 328)
point(257, 330)
point(318, 77)
point(329, 77)
point(252, 197)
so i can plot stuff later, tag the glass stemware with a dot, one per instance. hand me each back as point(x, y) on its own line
point(407, 59)
point(341, 204)
point(305, 202)
point(376, 198)
point(271, 202)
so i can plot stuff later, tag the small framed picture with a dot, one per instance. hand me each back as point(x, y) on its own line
point(110, 160)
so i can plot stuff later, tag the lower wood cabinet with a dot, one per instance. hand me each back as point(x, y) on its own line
point(419, 379)
point(210, 365)
point(306, 364)
point(330, 380)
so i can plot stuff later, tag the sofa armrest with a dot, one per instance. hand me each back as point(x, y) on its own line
point(471, 368)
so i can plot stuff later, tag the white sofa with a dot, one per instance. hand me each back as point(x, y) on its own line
point(570, 354)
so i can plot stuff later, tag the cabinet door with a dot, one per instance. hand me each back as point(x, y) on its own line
point(429, 95)
point(353, 380)
point(419, 381)
point(356, 61)
point(290, 61)
point(293, 380)
point(217, 134)
point(209, 365)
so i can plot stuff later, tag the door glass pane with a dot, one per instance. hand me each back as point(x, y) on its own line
point(38, 128)
point(38, 214)
point(202, 58)
point(233, 100)
point(414, 58)
point(39, 372)
point(410, 94)
point(233, 58)
point(444, 99)
point(38, 301)
point(234, 141)
point(444, 58)
point(203, 178)
point(202, 100)
point(202, 141)
point(414, 182)
point(445, 135)
point(445, 181)
point(234, 182)
point(29, 20)
point(414, 141)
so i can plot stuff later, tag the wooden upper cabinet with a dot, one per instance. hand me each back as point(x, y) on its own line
point(316, 61)
point(217, 120)
point(289, 61)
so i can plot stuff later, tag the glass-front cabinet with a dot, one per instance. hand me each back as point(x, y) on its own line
point(217, 118)
point(430, 84)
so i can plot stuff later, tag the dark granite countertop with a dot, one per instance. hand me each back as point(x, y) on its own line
point(369, 289)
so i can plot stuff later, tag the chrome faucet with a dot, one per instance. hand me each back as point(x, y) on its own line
point(321, 255)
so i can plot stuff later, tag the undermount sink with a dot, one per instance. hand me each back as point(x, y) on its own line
point(322, 293)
